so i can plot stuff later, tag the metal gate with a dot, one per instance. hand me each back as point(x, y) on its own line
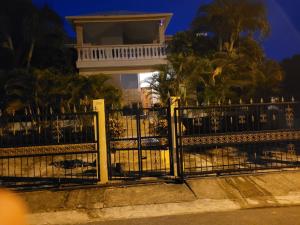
point(48, 147)
point(139, 142)
point(234, 138)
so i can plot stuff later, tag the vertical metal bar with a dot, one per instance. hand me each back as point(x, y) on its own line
point(170, 136)
point(57, 130)
point(179, 150)
point(138, 128)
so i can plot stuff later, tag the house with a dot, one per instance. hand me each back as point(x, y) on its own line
point(122, 44)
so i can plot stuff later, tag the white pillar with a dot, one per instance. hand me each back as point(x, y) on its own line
point(79, 34)
point(161, 31)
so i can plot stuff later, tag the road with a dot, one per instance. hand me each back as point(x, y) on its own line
point(263, 216)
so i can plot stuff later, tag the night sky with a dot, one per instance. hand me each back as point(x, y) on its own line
point(283, 42)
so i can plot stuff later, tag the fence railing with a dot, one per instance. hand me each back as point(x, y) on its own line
point(171, 141)
point(47, 145)
point(139, 142)
point(222, 138)
point(121, 52)
point(28, 129)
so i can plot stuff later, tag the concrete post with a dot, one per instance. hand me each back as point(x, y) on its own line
point(79, 35)
point(161, 32)
point(99, 107)
point(174, 103)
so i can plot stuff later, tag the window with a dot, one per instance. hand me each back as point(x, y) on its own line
point(130, 81)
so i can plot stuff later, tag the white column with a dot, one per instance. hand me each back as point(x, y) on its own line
point(79, 34)
point(161, 32)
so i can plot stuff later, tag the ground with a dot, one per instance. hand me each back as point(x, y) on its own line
point(207, 198)
point(262, 216)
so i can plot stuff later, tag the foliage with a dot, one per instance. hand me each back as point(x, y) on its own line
point(228, 20)
point(188, 43)
point(116, 128)
point(49, 88)
point(220, 56)
point(35, 36)
point(161, 127)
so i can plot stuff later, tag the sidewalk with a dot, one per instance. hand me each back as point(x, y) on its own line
point(212, 194)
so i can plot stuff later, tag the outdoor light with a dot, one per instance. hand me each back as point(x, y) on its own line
point(161, 23)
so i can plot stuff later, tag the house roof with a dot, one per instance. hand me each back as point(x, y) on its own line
point(116, 13)
point(119, 16)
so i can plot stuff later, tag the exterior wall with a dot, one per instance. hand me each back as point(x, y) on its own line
point(118, 33)
point(93, 34)
point(115, 67)
point(116, 70)
point(131, 96)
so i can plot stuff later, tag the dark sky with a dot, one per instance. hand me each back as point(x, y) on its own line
point(284, 16)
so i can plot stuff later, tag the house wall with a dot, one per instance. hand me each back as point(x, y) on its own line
point(130, 86)
point(102, 34)
point(119, 33)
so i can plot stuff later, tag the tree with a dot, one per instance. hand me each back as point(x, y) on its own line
point(188, 43)
point(18, 90)
point(237, 67)
point(40, 26)
point(32, 36)
point(228, 20)
point(163, 83)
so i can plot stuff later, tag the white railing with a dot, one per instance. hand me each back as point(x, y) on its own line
point(121, 52)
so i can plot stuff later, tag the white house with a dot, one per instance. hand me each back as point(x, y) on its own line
point(121, 44)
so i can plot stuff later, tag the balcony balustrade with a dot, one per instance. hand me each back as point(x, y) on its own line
point(121, 52)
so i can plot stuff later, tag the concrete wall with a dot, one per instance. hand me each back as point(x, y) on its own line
point(119, 33)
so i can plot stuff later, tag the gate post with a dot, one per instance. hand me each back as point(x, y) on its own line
point(99, 107)
point(174, 103)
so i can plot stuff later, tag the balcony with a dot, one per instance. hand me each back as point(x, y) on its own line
point(121, 56)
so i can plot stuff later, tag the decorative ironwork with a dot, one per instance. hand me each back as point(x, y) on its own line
point(242, 138)
point(142, 148)
point(291, 149)
point(30, 129)
point(215, 121)
point(242, 119)
point(49, 146)
point(263, 118)
point(47, 150)
point(237, 137)
point(123, 144)
point(289, 115)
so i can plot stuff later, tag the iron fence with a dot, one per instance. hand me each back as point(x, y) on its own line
point(49, 146)
point(209, 139)
point(241, 137)
point(139, 142)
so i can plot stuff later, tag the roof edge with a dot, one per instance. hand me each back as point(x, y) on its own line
point(116, 17)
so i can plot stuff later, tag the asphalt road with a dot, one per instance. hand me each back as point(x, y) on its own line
point(263, 216)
